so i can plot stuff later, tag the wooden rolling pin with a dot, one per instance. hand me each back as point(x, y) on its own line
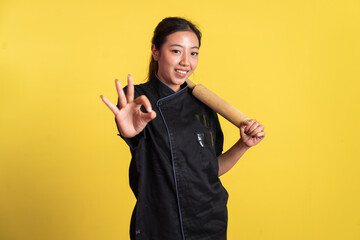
point(217, 104)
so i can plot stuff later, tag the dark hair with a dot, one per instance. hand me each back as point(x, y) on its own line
point(166, 27)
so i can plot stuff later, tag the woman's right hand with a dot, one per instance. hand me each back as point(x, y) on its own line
point(129, 118)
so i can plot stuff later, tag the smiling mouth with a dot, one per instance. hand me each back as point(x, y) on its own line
point(180, 71)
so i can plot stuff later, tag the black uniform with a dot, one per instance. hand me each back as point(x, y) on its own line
point(174, 169)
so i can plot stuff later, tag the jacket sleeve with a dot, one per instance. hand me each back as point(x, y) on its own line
point(219, 136)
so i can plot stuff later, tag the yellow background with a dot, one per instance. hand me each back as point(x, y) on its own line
point(292, 65)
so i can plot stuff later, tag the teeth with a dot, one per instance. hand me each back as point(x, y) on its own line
point(182, 72)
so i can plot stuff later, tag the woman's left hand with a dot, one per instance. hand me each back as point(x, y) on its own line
point(251, 132)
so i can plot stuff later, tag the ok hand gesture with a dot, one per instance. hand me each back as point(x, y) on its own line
point(129, 118)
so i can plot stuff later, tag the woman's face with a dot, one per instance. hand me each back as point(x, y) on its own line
point(177, 58)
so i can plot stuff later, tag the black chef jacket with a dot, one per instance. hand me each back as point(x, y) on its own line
point(174, 169)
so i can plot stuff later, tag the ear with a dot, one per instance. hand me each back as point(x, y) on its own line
point(155, 52)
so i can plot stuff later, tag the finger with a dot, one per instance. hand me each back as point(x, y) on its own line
point(244, 124)
point(121, 94)
point(147, 117)
point(260, 135)
point(255, 132)
point(254, 128)
point(130, 89)
point(112, 107)
point(143, 100)
point(248, 126)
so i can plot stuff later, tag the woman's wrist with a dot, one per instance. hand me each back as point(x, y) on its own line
point(241, 145)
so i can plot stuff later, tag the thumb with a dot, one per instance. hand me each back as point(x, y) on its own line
point(243, 126)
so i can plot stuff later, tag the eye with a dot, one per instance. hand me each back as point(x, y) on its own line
point(175, 51)
point(194, 53)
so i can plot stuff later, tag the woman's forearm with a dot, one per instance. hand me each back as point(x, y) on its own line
point(228, 159)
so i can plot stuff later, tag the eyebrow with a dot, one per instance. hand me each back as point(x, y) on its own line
point(178, 45)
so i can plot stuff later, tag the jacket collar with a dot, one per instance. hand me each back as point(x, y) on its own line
point(164, 90)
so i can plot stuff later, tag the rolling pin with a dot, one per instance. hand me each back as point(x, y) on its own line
point(217, 104)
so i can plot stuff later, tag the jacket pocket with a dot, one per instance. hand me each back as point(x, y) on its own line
point(206, 142)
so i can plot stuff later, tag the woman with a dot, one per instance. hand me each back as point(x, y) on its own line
point(176, 144)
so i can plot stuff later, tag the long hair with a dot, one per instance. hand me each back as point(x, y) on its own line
point(166, 27)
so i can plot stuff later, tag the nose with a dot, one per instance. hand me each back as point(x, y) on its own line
point(185, 59)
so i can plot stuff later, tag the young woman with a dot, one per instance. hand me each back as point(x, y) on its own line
point(176, 144)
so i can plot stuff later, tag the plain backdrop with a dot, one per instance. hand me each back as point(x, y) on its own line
point(292, 65)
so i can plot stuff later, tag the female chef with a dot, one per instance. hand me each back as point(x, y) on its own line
point(176, 144)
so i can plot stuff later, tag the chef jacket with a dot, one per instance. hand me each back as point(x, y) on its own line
point(174, 169)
